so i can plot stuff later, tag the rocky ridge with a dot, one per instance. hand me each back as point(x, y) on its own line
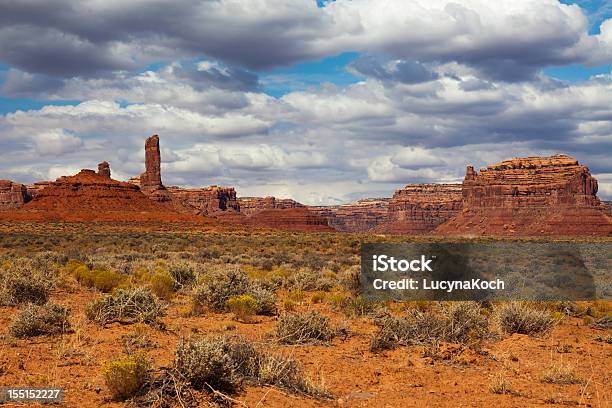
point(530, 196)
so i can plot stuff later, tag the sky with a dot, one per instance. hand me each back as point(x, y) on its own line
point(324, 102)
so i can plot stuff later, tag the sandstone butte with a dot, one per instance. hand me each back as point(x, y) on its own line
point(530, 196)
point(89, 196)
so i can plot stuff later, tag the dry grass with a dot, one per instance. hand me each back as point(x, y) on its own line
point(127, 306)
point(301, 328)
point(519, 317)
point(561, 374)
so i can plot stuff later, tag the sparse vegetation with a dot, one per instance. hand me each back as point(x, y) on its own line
point(223, 364)
point(36, 320)
point(128, 306)
point(458, 322)
point(561, 374)
point(21, 282)
point(299, 328)
point(518, 317)
point(125, 377)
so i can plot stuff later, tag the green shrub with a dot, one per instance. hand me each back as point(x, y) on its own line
point(128, 306)
point(162, 285)
point(35, 320)
point(243, 306)
point(125, 378)
point(299, 328)
point(218, 287)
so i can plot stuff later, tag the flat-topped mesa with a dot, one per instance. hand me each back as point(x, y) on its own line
point(530, 196)
point(150, 180)
point(531, 182)
point(359, 216)
point(206, 201)
point(289, 219)
point(253, 205)
point(104, 169)
point(12, 195)
point(420, 208)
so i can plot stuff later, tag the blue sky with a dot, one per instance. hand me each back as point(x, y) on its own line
point(321, 101)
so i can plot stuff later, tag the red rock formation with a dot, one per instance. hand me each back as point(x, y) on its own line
point(88, 196)
point(289, 219)
point(205, 201)
point(150, 180)
point(12, 195)
point(35, 188)
point(420, 208)
point(104, 169)
point(253, 205)
point(530, 196)
point(360, 216)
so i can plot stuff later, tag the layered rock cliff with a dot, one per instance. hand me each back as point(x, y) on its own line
point(360, 216)
point(420, 208)
point(530, 196)
point(288, 219)
point(12, 195)
point(205, 201)
point(253, 205)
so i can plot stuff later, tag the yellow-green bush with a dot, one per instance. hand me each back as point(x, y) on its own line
point(125, 377)
point(243, 306)
point(102, 279)
point(162, 285)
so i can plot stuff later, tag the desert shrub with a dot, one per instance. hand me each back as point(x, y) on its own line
point(106, 280)
point(459, 322)
point(206, 363)
point(224, 364)
point(243, 306)
point(102, 279)
point(317, 297)
point(308, 280)
point(126, 305)
point(218, 287)
point(183, 275)
point(265, 298)
point(561, 374)
point(125, 378)
point(353, 305)
point(299, 328)
point(35, 320)
point(162, 285)
point(517, 317)
point(20, 283)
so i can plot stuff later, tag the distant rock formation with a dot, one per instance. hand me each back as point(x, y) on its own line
point(150, 180)
point(89, 196)
point(253, 205)
point(205, 201)
point(530, 196)
point(359, 216)
point(289, 219)
point(420, 208)
point(104, 169)
point(12, 195)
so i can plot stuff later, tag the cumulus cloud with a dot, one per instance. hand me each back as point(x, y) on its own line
point(509, 39)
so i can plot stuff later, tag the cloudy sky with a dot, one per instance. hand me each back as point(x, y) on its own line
point(324, 102)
